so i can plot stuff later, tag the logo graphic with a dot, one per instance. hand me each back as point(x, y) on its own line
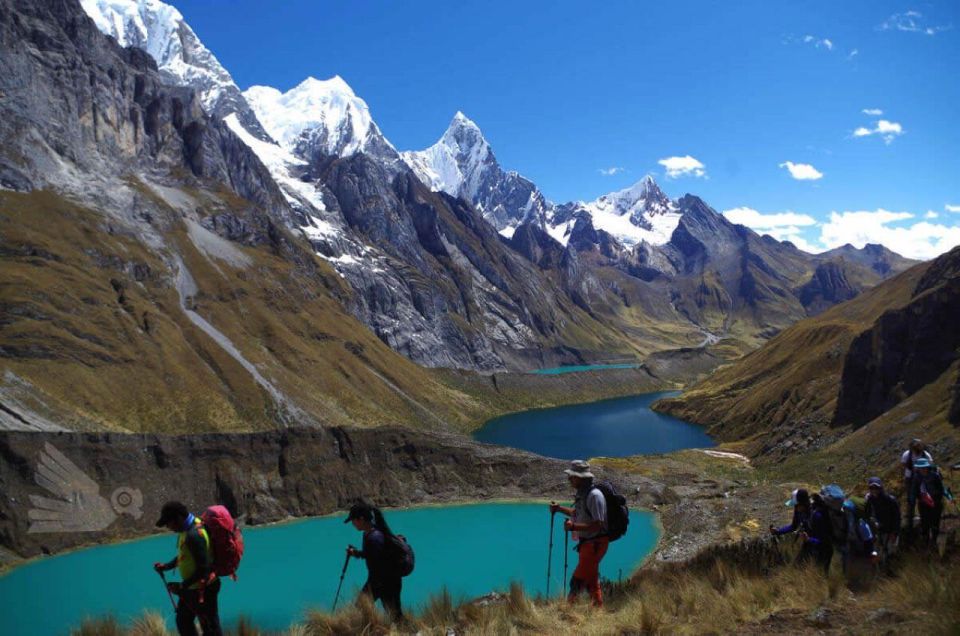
point(78, 506)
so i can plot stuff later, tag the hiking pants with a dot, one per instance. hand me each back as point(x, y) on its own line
point(191, 608)
point(387, 592)
point(930, 523)
point(587, 574)
point(913, 491)
point(821, 554)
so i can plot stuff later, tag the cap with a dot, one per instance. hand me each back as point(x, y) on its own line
point(875, 481)
point(579, 468)
point(359, 511)
point(170, 511)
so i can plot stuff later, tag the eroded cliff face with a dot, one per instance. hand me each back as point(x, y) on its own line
point(906, 349)
point(264, 477)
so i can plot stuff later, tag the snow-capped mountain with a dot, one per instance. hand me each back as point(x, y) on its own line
point(319, 117)
point(641, 212)
point(463, 165)
point(160, 30)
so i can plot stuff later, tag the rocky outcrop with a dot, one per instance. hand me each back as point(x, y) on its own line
point(828, 286)
point(906, 349)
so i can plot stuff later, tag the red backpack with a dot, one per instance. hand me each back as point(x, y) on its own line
point(225, 539)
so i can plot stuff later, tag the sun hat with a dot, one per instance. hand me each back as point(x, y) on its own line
point(922, 462)
point(799, 496)
point(579, 468)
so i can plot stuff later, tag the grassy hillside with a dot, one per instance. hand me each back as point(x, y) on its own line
point(794, 376)
point(94, 336)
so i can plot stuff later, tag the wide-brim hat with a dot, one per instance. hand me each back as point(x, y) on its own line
point(579, 468)
point(922, 462)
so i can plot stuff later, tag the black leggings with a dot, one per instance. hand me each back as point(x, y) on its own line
point(190, 608)
point(930, 523)
point(387, 591)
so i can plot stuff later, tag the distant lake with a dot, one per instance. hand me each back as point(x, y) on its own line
point(608, 428)
point(288, 568)
point(584, 367)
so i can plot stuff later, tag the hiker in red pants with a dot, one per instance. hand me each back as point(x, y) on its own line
point(587, 525)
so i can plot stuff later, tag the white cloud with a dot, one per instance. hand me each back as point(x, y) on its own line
point(912, 22)
point(951, 208)
point(685, 166)
point(931, 215)
point(888, 130)
point(824, 43)
point(612, 170)
point(921, 240)
point(875, 112)
point(760, 221)
point(802, 171)
point(783, 226)
point(854, 53)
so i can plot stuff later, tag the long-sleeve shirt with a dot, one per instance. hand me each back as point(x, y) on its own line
point(813, 522)
point(885, 510)
point(380, 565)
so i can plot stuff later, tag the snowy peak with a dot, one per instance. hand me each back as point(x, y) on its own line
point(183, 60)
point(642, 199)
point(318, 116)
point(463, 165)
point(458, 162)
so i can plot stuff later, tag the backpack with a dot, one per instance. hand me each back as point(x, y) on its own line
point(402, 553)
point(618, 515)
point(833, 498)
point(225, 540)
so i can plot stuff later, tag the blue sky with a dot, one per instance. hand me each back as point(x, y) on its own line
point(756, 92)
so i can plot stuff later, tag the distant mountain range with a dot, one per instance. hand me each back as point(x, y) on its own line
point(276, 223)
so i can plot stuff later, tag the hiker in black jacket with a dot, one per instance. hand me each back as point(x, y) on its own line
point(384, 578)
point(883, 510)
point(930, 493)
point(810, 520)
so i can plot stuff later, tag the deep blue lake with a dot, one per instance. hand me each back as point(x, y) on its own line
point(289, 568)
point(608, 428)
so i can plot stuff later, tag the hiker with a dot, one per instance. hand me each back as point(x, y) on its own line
point(811, 521)
point(587, 525)
point(850, 533)
point(916, 451)
point(883, 510)
point(384, 575)
point(930, 491)
point(199, 585)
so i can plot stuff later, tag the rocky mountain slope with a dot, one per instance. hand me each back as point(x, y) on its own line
point(857, 381)
point(183, 60)
point(150, 279)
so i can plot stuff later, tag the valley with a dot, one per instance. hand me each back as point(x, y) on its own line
point(254, 297)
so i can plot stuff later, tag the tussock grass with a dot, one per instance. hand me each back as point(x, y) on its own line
point(749, 587)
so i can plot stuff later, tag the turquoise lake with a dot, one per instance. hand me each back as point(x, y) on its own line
point(608, 428)
point(288, 568)
point(584, 367)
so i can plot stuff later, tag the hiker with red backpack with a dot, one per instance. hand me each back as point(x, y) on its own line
point(599, 515)
point(930, 494)
point(389, 557)
point(208, 547)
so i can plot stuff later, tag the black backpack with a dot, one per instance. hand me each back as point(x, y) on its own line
point(402, 554)
point(618, 515)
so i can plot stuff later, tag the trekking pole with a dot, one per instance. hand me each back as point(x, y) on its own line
point(550, 553)
point(566, 552)
point(163, 577)
point(343, 573)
